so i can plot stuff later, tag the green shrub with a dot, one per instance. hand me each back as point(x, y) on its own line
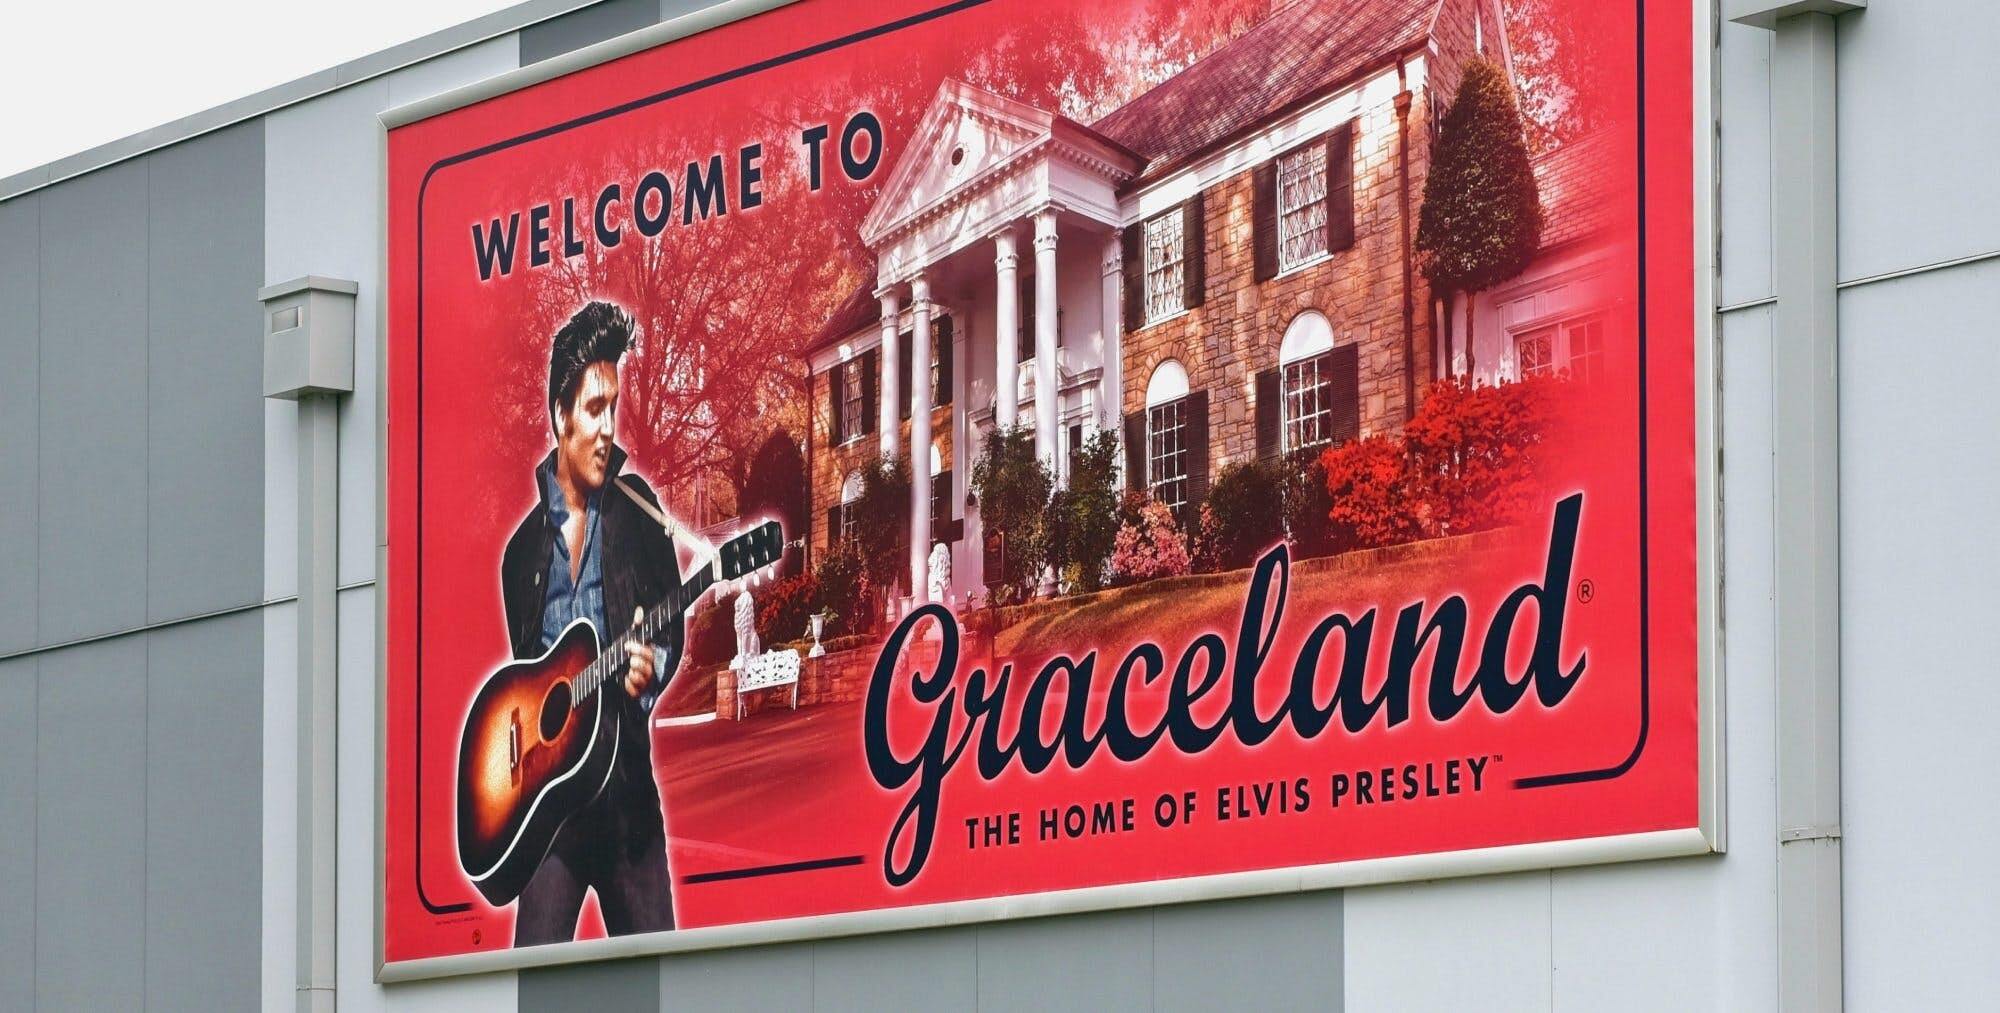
point(1083, 519)
point(843, 588)
point(882, 521)
point(1308, 506)
point(1013, 488)
point(1242, 517)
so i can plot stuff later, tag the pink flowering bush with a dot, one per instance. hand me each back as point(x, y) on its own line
point(1149, 545)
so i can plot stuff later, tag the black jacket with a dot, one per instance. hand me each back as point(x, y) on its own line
point(639, 568)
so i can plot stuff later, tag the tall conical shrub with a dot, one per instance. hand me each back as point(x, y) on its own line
point(1481, 222)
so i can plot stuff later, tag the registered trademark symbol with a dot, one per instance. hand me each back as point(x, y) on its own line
point(1585, 592)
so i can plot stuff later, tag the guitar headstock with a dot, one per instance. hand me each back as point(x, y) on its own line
point(753, 550)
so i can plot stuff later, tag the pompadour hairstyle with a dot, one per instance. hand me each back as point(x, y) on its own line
point(599, 332)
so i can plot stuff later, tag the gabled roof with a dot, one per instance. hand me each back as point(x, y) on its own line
point(1579, 182)
point(858, 311)
point(920, 180)
point(1299, 53)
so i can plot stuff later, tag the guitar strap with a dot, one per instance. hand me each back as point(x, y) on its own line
point(695, 545)
point(666, 523)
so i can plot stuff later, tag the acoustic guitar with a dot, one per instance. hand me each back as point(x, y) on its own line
point(541, 736)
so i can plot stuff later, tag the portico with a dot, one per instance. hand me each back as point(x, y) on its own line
point(1036, 329)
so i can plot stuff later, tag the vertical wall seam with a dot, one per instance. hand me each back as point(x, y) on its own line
point(35, 816)
point(41, 311)
point(146, 581)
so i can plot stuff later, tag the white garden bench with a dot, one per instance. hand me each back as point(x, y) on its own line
point(769, 670)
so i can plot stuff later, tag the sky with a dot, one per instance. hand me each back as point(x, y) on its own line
point(79, 75)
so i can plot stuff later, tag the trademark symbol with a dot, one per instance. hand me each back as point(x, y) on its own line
point(1585, 592)
point(475, 937)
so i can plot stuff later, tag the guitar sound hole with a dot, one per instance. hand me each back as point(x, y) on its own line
point(555, 711)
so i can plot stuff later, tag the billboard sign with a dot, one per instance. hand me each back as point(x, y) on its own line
point(854, 466)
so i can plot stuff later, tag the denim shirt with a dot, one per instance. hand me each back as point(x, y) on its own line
point(582, 597)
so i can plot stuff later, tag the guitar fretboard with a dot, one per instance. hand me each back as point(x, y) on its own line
point(753, 550)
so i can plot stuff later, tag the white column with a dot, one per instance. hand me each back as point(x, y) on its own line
point(920, 438)
point(1006, 331)
point(890, 355)
point(1110, 400)
point(1047, 378)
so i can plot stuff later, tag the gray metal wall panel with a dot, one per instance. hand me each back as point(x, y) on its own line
point(90, 870)
point(581, 28)
point(671, 9)
point(92, 393)
point(204, 752)
point(1918, 417)
point(1917, 134)
point(1084, 963)
point(17, 833)
point(1743, 156)
point(1282, 952)
point(20, 372)
point(936, 969)
point(619, 986)
point(204, 397)
point(757, 977)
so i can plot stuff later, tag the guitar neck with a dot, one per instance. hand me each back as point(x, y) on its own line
point(739, 556)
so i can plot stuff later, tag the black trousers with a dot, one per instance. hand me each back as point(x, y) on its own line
point(616, 846)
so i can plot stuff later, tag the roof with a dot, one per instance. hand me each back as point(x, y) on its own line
point(859, 310)
point(1579, 183)
point(1297, 54)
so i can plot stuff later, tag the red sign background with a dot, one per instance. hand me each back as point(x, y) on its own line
point(465, 429)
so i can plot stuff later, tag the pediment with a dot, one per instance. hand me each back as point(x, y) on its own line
point(966, 133)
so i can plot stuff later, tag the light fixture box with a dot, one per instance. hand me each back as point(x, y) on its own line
point(1766, 13)
point(308, 337)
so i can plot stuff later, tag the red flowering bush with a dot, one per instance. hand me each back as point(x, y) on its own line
point(1480, 455)
point(1372, 490)
point(1473, 458)
point(1149, 545)
point(786, 608)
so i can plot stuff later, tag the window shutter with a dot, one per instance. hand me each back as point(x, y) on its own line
point(1197, 458)
point(1344, 369)
point(941, 517)
point(871, 387)
point(904, 353)
point(942, 396)
point(1264, 220)
point(1270, 414)
point(833, 525)
point(836, 385)
point(1134, 267)
point(1340, 188)
point(1135, 451)
point(1194, 251)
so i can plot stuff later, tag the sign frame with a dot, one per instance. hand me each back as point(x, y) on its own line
point(1709, 837)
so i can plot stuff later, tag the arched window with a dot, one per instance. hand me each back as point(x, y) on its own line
point(844, 514)
point(1167, 436)
point(1306, 357)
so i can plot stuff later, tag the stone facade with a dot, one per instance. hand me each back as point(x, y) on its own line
point(1224, 342)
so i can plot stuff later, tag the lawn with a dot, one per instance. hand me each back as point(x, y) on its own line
point(1172, 608)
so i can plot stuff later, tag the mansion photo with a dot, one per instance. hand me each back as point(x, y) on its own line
point(1220, 270)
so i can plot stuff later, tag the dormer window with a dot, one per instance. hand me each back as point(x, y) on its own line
point(1166, 281)
point(1301, 206)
